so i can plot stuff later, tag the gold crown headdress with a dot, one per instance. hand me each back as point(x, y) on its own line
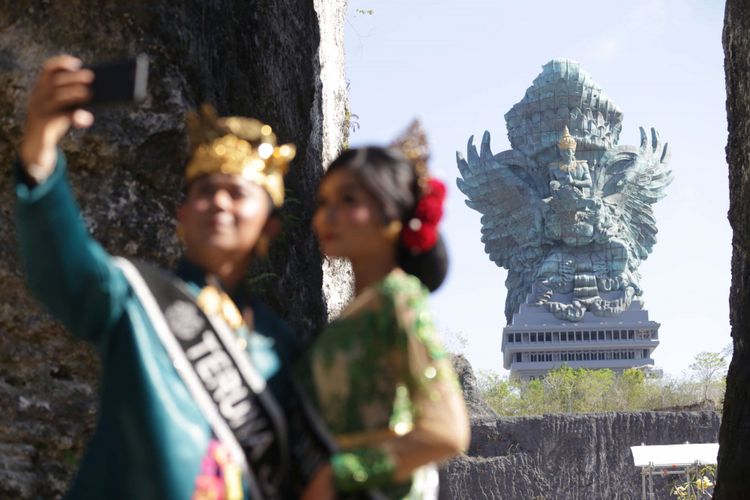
point(566, 141)
point(239, 146)
point(413, 145)
point(420, 234)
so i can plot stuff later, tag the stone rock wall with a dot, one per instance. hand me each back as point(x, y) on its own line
point(733, 480)
point(474, 402)
point(280, 61)
point(567, 457)
point(337, 273)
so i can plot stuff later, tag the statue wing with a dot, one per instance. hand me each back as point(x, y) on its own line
point(630, 180)
point(500, 188)
point(505, 189)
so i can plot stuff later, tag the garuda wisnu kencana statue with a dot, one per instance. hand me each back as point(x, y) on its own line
point(567, 211)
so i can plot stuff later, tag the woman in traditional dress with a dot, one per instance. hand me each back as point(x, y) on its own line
point(382, 381)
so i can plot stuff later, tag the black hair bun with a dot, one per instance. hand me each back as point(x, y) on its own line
point(430, 267)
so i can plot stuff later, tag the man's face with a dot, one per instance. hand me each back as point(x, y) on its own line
point(223, 215)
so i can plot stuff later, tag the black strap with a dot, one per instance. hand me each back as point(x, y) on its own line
point(232, 395)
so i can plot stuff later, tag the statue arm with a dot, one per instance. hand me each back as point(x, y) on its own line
point(554, 182)
point(585, 180)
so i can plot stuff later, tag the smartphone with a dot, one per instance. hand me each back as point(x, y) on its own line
point(120, 82)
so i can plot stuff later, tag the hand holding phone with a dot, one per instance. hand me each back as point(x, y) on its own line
point(60, 97)
point(121, 82)
point(54, 105)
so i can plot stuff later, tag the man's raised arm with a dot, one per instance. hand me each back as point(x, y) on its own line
point(65, 268)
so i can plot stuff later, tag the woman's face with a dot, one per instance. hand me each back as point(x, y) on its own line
point(348, 221)
point(223, 215)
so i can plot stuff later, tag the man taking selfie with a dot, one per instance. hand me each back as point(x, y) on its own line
point(195, 395)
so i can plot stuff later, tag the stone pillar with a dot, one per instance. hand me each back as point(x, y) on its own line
point(733, 480)
point(280, 61)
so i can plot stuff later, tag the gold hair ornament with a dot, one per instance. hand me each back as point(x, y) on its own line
point(413, 145)
point(420, 234)
point(238, 146)
point(566, 141)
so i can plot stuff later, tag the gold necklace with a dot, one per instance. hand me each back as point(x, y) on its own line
point(214, 301)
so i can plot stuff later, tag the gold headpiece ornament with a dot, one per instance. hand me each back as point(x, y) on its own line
point(239, 146)
point(413, 145)
point(566, 141)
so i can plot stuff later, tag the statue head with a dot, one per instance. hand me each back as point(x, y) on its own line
point(567, 145)
point(595, 122)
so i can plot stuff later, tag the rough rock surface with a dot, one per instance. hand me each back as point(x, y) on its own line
point(565, 457)
point(474, 402)
point(281, 61)
point(562, 457)
point(733, 480)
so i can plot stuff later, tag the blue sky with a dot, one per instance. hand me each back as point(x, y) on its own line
point(459, 66)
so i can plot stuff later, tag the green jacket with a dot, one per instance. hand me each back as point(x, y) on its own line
point(150, 436)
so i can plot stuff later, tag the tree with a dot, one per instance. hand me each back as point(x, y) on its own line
point(571, 390)
point(631, 389)
point(562, 390)
point(532, 398)
point(596, 389)
point(498, 392)
point(455, 342)
point(709, 369)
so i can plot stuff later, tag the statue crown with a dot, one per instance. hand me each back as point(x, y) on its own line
point(239, 146)
point(566, 141)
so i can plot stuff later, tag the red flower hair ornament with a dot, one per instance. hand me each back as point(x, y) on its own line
point(421, 234)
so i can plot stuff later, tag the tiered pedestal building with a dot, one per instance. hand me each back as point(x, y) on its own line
point(536, 342)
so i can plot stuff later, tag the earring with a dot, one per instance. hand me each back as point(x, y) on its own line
point(180, 231)
point(262, 246)
point(393, 230)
